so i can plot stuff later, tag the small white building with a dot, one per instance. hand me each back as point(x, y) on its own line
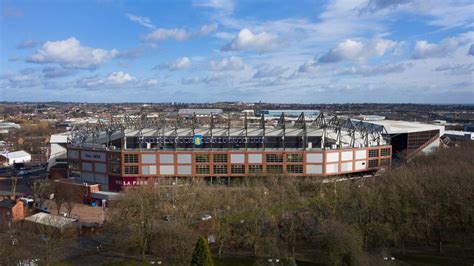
point(58, 222)
point(10, 158)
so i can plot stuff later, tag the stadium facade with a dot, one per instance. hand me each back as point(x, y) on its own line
point(129, 150)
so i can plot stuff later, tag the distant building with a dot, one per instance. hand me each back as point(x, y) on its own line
point(371, 117)
point(311, 114)
point(469, 127)
point(6, 126)
point(459, 135)
point(10, 158)
point(249, 112)
point(199, 112)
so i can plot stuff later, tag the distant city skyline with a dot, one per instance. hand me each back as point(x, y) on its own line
point(339, 51)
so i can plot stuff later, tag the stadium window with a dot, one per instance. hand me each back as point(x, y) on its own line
point(237, 169)
point(274, 158)
point(131, 170)
point(131, 158)
point(385, 152)
point(74, 165)
point(373, 153)
point(294, 158)
point(373, 163)
point(114, 169)
point(202, 169)
point(114, 157)
point(220, 169)
point(202, 158)
point(220, 158)
point(255, 169)
point(274, 169)
point(294, 169)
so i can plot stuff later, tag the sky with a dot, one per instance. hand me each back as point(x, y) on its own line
point(339, 51)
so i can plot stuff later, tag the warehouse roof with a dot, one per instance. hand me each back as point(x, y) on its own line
point(50, 220)
point(60, 137)
point(16, 154)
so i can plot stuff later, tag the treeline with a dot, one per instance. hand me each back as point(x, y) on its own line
point(424, 205)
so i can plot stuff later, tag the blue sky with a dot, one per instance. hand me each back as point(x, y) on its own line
point(418, 51)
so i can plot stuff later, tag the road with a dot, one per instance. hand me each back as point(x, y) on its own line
point(23, 184)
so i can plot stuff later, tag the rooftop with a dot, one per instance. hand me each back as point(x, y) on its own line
point(60, 138)
point(15, 154)
point(400, 127)
point(50, 220)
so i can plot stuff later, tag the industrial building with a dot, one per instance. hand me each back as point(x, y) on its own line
point(128, 151)
point(11, 158)
point(199, 112)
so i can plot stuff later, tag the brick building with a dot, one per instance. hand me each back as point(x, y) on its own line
point(11, 211)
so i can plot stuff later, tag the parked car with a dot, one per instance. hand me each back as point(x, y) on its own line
point(206, 217)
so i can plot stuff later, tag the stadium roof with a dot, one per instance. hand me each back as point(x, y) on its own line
point(399, 127)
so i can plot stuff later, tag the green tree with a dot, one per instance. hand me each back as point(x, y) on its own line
point(202, 253)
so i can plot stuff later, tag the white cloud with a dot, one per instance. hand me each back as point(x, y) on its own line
point(24, 75)
point(456, 69)
point(226, 64)
point(443, 13)
point(424, 49)
point(267, 71)
point(57, 72)
point(165, 34)
point(247, 40)
point(152, 82)
point(377, 5)
point(25, 44)
point(223, 5)
point(132, 53)
point(308, 66)
point(178, 64)
point(114, 79)
point(70, 54)
point(179, 34)
point(25, 78)
point(213, 79)
point(144, 21)
point(119, 78)
point(353, 50)
point(376, 70)
point(207, 29)
point(190, 80)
